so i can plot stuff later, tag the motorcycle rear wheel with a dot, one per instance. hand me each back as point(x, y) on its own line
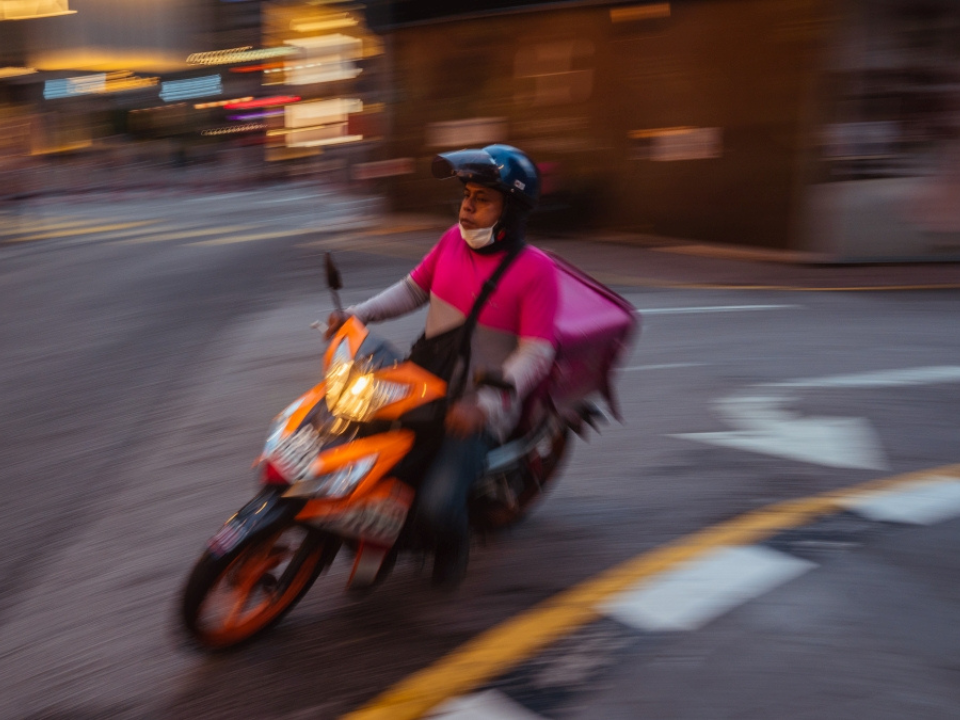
point(550, 464)
point(232, 599)
point(497, 515)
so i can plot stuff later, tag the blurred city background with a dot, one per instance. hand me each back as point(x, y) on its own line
point(825, 127)
point(774, 185)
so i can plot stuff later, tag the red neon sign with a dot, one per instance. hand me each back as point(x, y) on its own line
point(256, 68)
point(273, 101)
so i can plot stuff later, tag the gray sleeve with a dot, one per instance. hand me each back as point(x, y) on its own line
point(398, 299)
point(526, 367)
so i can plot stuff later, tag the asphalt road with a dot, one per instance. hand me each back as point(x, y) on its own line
point(140, 365)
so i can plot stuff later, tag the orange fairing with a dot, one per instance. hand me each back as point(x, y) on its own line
point(378, 517)
point(389, 448)
point(307, 402)
point(355, 333)
point(424, 387)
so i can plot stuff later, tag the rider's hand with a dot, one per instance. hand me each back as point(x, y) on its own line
point(465, 419)
point(334, 323)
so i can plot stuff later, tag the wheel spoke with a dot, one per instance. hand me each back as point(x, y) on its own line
point(261, 583)
point(236, 610)
point(249, 575)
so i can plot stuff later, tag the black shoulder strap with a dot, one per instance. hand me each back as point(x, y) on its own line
point(471, 322)
point(485, 292)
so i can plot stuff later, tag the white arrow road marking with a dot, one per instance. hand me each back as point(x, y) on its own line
point(763, 426)
point(486, 705)
point(694, 594)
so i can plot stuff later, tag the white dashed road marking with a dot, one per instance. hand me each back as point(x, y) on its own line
point(921, 504)
point(665, 366)
point(712, 309)
point(694, 594)
point(487, 705)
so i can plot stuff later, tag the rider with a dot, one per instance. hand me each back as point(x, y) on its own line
point(513, 337)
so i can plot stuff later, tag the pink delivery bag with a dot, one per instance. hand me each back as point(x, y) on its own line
point(594, 328)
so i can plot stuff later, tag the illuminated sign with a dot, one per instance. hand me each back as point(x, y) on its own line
point(323, 58)
point(9, 72)
point(31, 9)
point(174, 90)
point(256, 115)
point(238, 55)
point(322, 112)
point(331, 21)
point(96, 84)
point(272, 101)
point(71, 87)
point(220, 103)
point(234, 129)
point(321, 122)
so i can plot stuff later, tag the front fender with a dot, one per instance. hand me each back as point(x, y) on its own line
point(264, 511)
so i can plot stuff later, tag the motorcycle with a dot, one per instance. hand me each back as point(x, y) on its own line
point(340, 465)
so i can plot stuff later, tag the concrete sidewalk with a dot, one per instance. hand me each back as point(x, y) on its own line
point(618, 259)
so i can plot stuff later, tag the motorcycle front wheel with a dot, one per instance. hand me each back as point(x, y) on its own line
point(232, 599)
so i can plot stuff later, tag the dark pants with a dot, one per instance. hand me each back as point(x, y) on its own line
point(443, 495)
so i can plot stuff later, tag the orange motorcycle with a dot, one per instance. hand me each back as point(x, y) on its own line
point(340, 465)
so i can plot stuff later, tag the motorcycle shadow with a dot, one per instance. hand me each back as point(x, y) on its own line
point(336, 650)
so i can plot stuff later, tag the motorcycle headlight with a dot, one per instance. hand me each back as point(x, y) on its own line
point(339, 483)
point(338, 374)
point(355, 393)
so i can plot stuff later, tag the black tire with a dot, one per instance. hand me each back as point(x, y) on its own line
point(247, 574)
point(493, 515)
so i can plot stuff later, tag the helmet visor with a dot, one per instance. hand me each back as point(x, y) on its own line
point(468, 165)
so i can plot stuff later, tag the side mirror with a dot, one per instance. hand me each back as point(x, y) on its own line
point(334, 281)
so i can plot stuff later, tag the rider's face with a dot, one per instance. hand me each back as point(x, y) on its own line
point(481, 206)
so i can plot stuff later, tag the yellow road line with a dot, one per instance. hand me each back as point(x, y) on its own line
point(260, 236)
point(735, 253)
point(503, 647)
point(41, 226)
point(182, 235)
point(82, 231)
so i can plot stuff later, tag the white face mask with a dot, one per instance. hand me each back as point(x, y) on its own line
point(477, 238)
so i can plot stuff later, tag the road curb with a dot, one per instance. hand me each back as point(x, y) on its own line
point(410, 245)
point(413, 237)
point(470, 671)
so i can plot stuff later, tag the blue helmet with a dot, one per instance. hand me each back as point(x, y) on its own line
point(502, 167)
